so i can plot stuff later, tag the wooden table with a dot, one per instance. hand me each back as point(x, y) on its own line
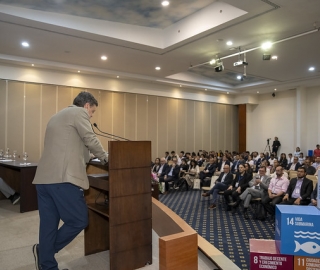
point(20, 177)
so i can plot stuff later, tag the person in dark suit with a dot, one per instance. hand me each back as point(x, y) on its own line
point(310, 170)
point(294, 165)
point(222, 183)
point(237, 187)
point(171, 174)
point(259, 161)
point(167, 156)
point(163, 168)
point(239, 160)
point(314, 196)
point(220, 168)
point(275, 145)
point(299, 189)
point(208, 170)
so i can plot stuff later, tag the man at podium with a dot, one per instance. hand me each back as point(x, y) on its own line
point(61, 178)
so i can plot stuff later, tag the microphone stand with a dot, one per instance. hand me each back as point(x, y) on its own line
point(96, 126)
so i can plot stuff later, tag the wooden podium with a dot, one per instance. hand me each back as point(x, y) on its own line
point(123, 225)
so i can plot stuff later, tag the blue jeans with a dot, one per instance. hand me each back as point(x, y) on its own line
point(216, 189)
point(59, 202)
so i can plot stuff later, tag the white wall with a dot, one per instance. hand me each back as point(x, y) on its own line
point(292, 116)
point(272, 117)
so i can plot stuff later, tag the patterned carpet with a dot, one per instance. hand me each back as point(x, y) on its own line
point(229, 233)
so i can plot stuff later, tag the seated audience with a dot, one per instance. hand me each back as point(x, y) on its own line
point(271, 159)
point(258, 188)
point(8, 192)
point(294, 165)
point(314, 196)
point(290, 158)
point(273, 170)
point(299, 190)
point(316, 152)
point(237, 161)
point(301, 158)
point(223, 182)
point(220, 168)
point(156, 165)
point(310, 169)
point(171, 174)
point(184, 167)
point(317, 163)
point(237, 187)
point(208, 170)
point(248, 170)
point(163, 167)
point(192, 173)
point(250, 162)
point(297, 152)
point(276, 190)
point(259, 161)
point(167, 156)
point(283, 160)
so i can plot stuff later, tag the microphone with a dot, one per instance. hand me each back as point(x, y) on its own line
point(104, 135)
point(110, 134)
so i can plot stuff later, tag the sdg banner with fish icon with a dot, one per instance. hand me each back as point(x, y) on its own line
point(297, 230)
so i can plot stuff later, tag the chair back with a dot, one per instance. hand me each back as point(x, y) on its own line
point(292, 174)
point(213, 180)
point(314, 179)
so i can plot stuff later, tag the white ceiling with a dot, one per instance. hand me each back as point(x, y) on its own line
point(139, 35)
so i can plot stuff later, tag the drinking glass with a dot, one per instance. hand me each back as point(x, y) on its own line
point(25, 157)
point(6, 156)
point(14, 155)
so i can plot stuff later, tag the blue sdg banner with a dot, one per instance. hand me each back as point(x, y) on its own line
point(297, 230)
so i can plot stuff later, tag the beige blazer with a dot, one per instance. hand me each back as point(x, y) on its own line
point(68, 140)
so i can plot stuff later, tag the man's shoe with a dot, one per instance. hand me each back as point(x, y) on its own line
point(15, 198)
point(35, 250)
point(212, 206)
point(246, 215)
point(233, 204)
point(205, 194)
point(229, 208)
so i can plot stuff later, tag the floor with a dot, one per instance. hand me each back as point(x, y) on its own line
point(19, 232)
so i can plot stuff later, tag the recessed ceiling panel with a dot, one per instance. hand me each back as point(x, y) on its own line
point(139, 12)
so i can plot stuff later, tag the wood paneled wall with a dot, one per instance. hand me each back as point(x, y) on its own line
point(171, 124)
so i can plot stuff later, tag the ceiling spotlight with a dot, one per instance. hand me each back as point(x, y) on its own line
point(229, 43)
point(158, 68)
point(180, 85)
point(205, 89)
point(275, 89)
point(266, 57)
point(165, 3)
point(266, 45)
point(103, 57)
point(118, 77)
point(257, 92)
point(213, 61)
point(274, 57)
point(227, 93)
point(78, 71)
point(311, 68)
point(25, 44)
point(239, 77)
point(32, 65)
point(219, 66)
